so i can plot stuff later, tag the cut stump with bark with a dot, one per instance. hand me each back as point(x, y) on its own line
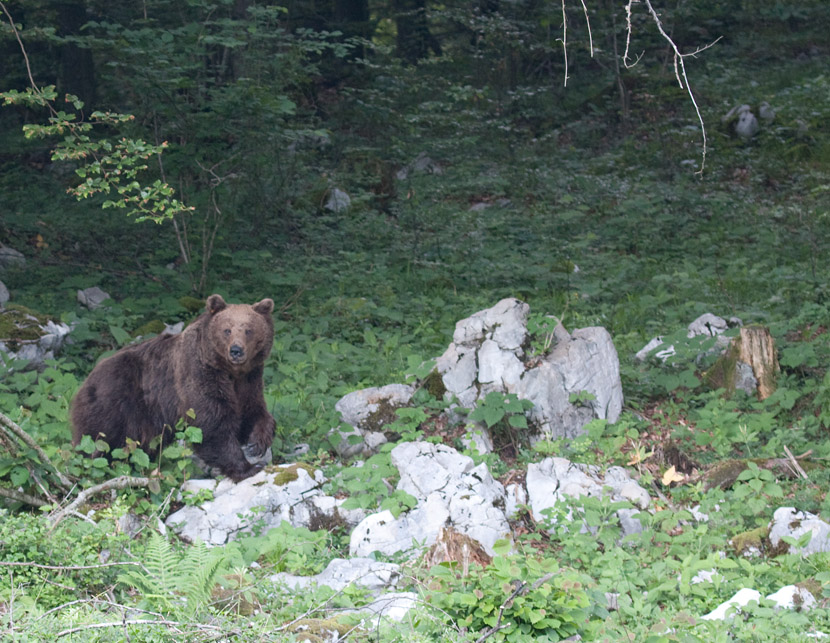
point(748, 364)
point(756, 348)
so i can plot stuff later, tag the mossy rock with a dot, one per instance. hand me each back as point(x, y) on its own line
point(191, 304)
point(752, 539)
point(381, 417)
point(153, 327)
point(318, 630)
point(722, 373)
point(19, 324)
point(434, 385)
point(289, 473)
point(724, 473)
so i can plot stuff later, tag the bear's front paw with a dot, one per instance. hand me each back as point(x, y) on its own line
point(257, 454)
point(237, 475)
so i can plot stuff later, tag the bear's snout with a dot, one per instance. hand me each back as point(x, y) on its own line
point(237, 353)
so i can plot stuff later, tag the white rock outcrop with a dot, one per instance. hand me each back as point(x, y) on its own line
point(235, 507)
point(488, 354)
point(555, 479)
point(787, 521)
point(451, 491)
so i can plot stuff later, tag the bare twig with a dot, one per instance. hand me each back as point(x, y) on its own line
point(565, 40)
point(12, 426)
point(590, 35)
point(520, 590)
point(679, 65)
point(65, 568)
point(23, 51)
point(121, 482)
point(173, 625)
point(794, 463)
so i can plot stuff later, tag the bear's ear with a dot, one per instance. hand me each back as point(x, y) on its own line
point(264, 307)
point(215, 303)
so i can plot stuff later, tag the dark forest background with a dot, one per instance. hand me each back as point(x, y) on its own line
point(384, 169)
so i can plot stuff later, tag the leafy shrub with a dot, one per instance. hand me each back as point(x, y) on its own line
point(516, 598)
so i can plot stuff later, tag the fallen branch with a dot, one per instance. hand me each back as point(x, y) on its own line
point(121, 482)
point(725, 473)
point(173, 625)
point(20, 434)
point(794, 463)
point(19, 496)
point(65, 568)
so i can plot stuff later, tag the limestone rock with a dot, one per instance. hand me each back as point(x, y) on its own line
point(338, 201)
point(11, 258)
point(93, 297)
point(451, 492)
point(586, 362)
point(553, 479)
point(488, 354)
point(365, 413)
point(787, 521)
point(342, 572)
point(741, 599)
point(271, 496)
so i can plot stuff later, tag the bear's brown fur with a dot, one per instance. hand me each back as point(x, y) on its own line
point(213, 367)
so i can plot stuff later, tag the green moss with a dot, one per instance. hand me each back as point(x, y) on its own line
point(153, 327)
point(191, 304)
point(288, 473)
point(722, 373)
point(434, 384)
point(19, 324)
point(724, 474)
point(381, 417)
point(752, 539)
point(317, 630)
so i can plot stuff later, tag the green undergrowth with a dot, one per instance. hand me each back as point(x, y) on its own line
point(549, 196)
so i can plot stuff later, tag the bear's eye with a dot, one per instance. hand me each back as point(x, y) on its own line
point(248, 332)
point(227, 332)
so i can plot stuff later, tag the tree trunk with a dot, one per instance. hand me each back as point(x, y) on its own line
point(414, 38)
point(77, 70)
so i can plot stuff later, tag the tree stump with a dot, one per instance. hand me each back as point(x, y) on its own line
point(748, 364)
point(757, 349)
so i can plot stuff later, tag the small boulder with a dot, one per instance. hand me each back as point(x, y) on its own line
point(554, 479)
point(92, 298)
point(338, 201)
point(11, 258)
point(787, 521)
point(365, 413)
point(342, 572)
point(451, 492)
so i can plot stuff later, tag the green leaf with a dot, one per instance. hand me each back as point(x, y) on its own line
point(140, 458)
point(19, 475)
point(120, 335)
point(517, 421)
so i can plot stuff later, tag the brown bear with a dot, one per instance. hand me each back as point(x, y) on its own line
point(213, 367)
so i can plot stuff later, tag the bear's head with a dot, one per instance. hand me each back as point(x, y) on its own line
point(240, 336)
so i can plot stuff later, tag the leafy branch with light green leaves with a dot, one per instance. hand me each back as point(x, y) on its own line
point(107, 166)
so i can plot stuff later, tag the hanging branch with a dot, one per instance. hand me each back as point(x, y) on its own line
point(565, 40)
point(679, 64)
